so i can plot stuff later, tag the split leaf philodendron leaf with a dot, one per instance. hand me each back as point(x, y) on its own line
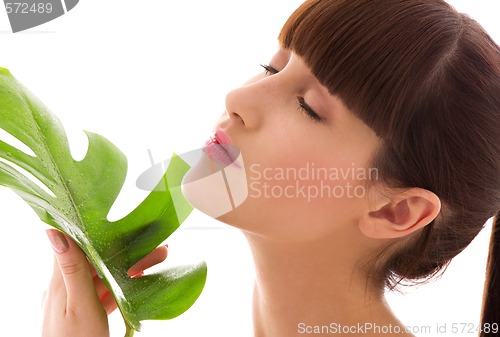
point(83, 193)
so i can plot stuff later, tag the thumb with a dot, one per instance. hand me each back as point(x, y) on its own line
point(75, 270)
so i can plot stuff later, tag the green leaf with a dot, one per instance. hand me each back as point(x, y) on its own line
point(83, 193)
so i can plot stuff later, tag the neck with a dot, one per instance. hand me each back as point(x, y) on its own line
point(300, 286)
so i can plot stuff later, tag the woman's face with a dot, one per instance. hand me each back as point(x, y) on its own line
point(304, 157)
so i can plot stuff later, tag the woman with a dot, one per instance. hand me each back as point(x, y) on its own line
point(371, 150)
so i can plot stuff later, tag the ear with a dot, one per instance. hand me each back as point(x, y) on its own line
point(401, 215)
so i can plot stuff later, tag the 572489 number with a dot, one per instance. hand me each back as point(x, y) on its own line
point(25, 8)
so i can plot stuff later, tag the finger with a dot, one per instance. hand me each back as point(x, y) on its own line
point(109, 303)
point(57, 278)
point(92, 269)
point(57, 290)
point(100, 287)
point(75, 270)
point(156, 256)
point(107, 299)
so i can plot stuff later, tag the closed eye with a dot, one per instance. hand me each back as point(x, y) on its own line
point(269, 70)
point(308, 110)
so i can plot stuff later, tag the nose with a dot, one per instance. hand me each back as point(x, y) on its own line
point(248, 104)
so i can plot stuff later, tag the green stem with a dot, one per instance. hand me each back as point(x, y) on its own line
point(129, 332)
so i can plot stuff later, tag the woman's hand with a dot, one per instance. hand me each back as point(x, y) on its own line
point(77, 301)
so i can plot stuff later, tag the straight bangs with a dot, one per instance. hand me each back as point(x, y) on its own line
point(377, 56)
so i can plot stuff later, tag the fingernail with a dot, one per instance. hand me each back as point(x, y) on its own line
point(138, 275)
point(58, 241)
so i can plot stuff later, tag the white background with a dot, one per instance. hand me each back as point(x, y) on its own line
point(153, 75)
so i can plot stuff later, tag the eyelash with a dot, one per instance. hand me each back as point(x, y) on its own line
point(269, 70)
point(303, 106)
point(307, 109)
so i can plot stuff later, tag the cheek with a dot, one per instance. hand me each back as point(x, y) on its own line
point(306, 178)
point(312, 163)
point(298, 193)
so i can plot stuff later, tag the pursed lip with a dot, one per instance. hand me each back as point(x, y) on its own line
point(220, 148)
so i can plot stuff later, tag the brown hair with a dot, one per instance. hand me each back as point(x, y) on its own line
point(491, 300)
point(426, 79)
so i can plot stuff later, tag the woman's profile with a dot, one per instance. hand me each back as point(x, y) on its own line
point(369, 152)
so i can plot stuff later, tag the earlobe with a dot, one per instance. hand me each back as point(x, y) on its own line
point(401, 215)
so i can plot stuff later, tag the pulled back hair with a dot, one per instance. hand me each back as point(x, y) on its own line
point(426, 79)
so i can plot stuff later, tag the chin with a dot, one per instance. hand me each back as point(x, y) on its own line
point(215, 188)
